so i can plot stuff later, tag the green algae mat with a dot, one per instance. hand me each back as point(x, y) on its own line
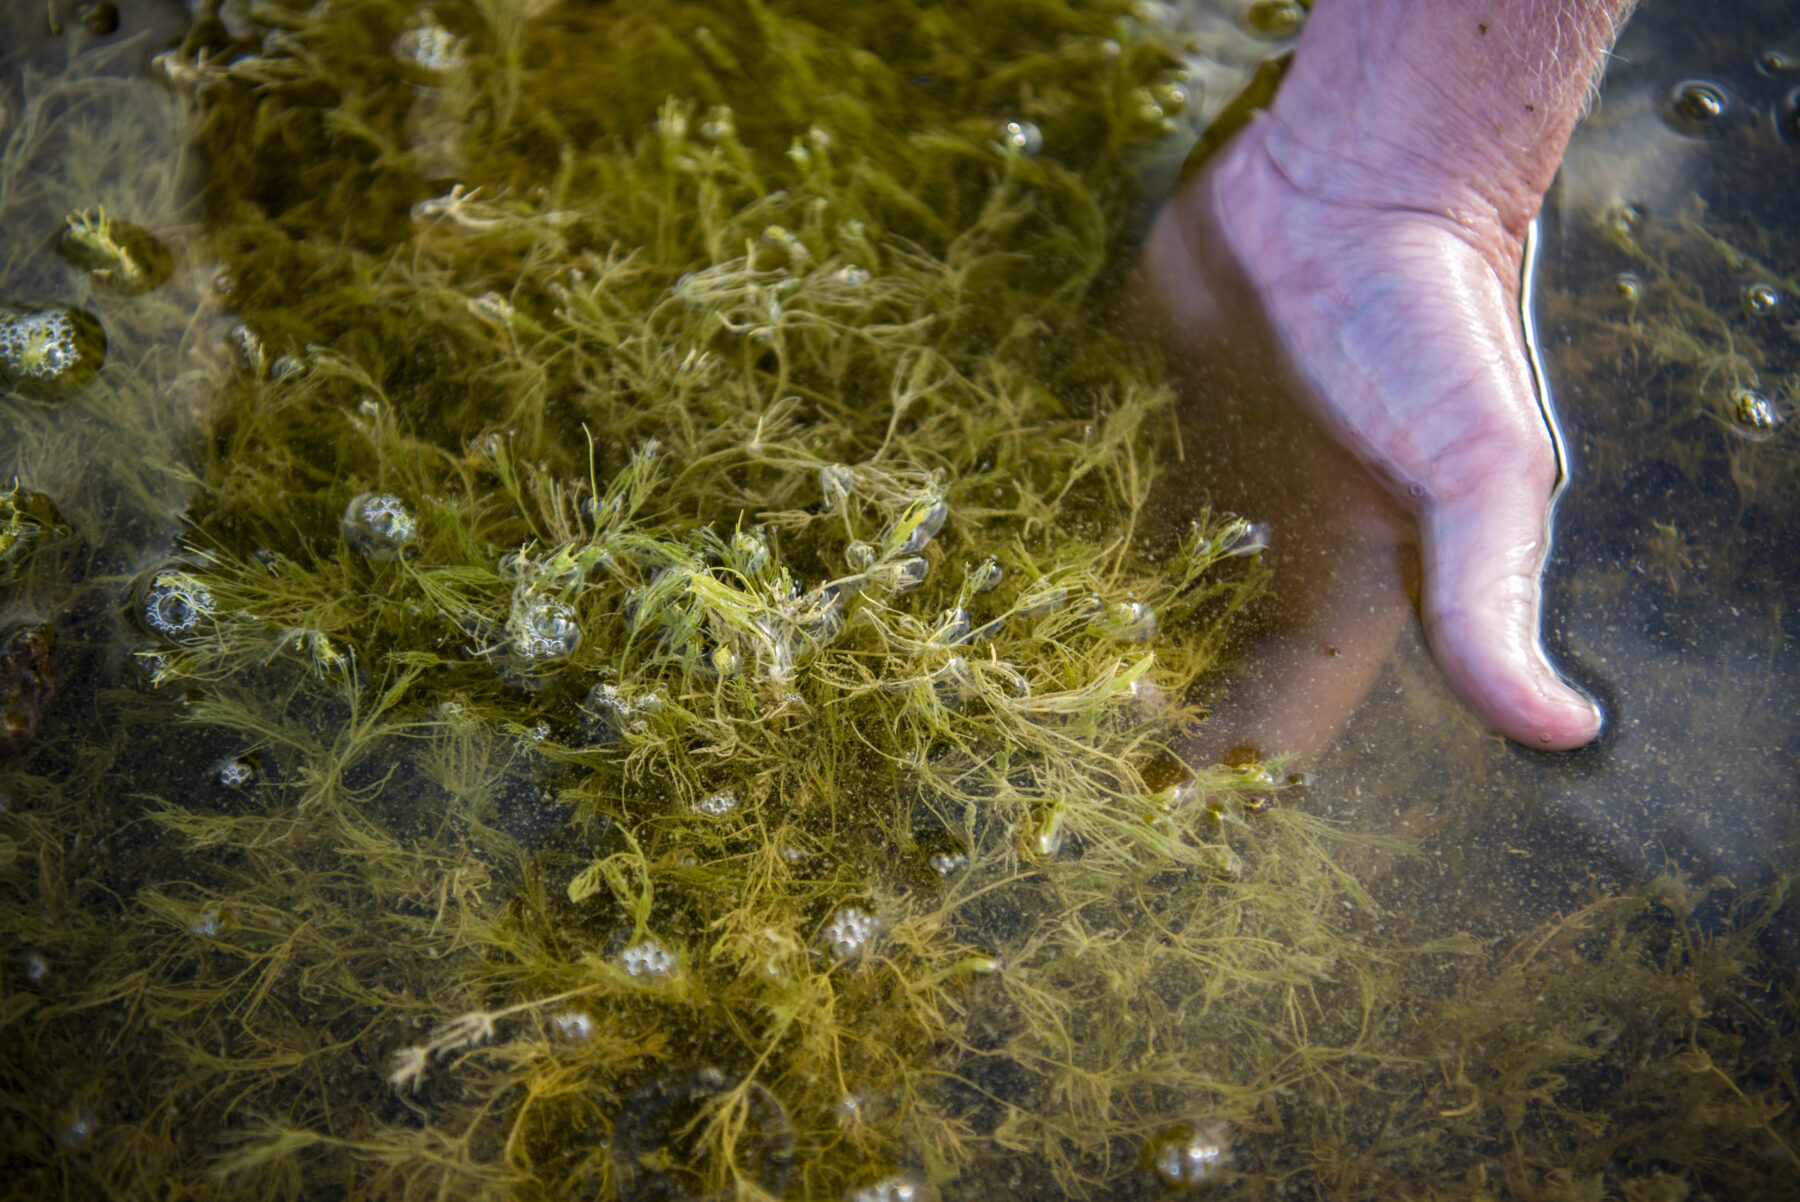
point(587, 615)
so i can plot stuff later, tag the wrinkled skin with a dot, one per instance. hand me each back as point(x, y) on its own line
point(1339, 293)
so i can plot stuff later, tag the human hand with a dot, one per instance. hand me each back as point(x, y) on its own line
point(1354, 375)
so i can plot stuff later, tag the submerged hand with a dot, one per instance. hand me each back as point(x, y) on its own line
point(1353, 372)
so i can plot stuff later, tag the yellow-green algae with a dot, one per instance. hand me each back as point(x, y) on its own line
point(688, 329)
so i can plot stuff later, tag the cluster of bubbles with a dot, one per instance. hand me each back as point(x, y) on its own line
point(236, 772)
point(430, 46)
point(1754, 414)
point(173, 604)
point(718, 804)
point(647, 958)
point(379, 526)
point(848, 931)
point(1189, 1155)
point(609, 715)
point(893, 1189)
point(542, 628)
point(49, 351)
point(1021, 137)
point(577, 1026)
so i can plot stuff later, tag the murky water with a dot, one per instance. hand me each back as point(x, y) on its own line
point(431, 802)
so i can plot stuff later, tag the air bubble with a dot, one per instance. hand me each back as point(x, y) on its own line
point(25, 518)
point(610, 716)
point(1042, 598)
point(719, 804)
point(1762, 300)
point(1189, 1154)
point(236, 772)
point(48, 353)
point(1754, 415)
point(985, 576)
point(208, 923)
point(952, 628)
point(1628, 287)
point(953, 684)
point(1787, 118)
point(543, 628)
point(577, 1026)
point(1777, 62)
point(836, 484)
point(850, 277)
point(77, 1128)
point(848, 932)
point(901, 1188)
point(430, 46)
point(173, 604)
point(1131, 622)
point(859, 555)
point(379, 526)
point(749, 554)
point(1696, 107)
point(900, 575)
point(1021, 137)
point(914, 529)
point(648, 958)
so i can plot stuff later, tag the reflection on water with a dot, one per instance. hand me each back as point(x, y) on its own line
point(1670, 253)
point(431, 803)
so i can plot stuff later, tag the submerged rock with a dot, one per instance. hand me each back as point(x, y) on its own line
point(27, 678)
point(47, 352)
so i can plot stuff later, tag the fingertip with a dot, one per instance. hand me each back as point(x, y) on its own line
point(1570, 719)
point(1496, 665)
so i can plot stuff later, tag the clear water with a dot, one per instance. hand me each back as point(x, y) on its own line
point(1578, 983)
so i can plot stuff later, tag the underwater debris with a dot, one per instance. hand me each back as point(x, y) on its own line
point(47, 353)
point(26, 518)
point(117, 255)
point(27, 680)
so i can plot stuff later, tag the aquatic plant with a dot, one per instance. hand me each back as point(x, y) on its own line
point(663, 682)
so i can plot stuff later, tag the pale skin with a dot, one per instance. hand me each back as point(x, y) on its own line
point(1350, 262)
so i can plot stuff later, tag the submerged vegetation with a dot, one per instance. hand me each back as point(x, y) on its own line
point(626, 652)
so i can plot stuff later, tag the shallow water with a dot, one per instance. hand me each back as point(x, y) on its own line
point(246, 904)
